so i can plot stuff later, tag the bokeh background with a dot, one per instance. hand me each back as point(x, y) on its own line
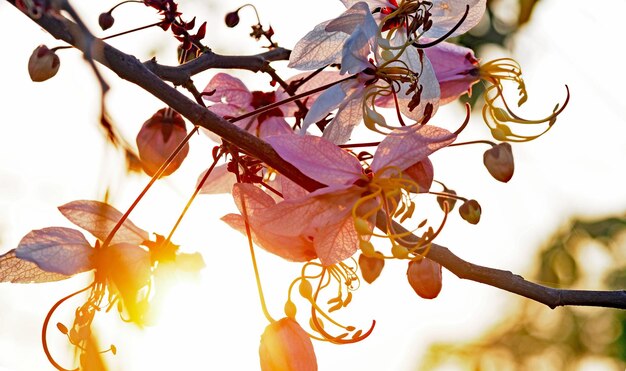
point(559, 221)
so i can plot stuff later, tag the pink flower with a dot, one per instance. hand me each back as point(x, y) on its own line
point(335, 219)
point(232, 99)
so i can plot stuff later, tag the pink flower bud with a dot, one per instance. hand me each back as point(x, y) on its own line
point(470, 211)
point(43, 64)
point(370, 267)
point(499, 162)
point(106, 20)
point(425, 278)
point(231, 19)
point(158, 138)
point(285, 346)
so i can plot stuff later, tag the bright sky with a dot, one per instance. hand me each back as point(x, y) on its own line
point(51, 153)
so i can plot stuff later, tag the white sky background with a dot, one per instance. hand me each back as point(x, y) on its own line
point(52, 152)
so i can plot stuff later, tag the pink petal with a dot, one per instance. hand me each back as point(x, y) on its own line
point(304, 216)
point(273, 126)
point(294, 247)
point(336, 242)
point(405, 146)
point(228, 89)
point(456, 69)
point(318, 158)
point(219, 181)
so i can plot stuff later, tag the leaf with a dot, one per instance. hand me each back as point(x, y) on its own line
point(56, 249)
point(16, 270)
point(99, 219)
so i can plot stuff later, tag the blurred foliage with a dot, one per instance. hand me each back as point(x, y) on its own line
point(502, 19)
point(583, 255)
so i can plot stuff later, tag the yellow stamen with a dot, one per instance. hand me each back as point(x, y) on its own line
point(499, 118)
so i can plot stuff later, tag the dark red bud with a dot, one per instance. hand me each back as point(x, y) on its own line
point(106, 21)
point(232, 19)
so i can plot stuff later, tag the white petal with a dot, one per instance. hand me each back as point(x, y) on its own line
point(328, 101)
point(348, 116)
point(317, 49)
point(447, 13)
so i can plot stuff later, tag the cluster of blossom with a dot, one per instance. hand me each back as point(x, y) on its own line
point(383, 63)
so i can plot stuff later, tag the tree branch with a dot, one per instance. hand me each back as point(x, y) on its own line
point(179, 75)
point(148, 76)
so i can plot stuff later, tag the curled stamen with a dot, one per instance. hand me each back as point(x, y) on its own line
point(494, 73)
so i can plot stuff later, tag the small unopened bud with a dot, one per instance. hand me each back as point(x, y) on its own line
point(105, 20)
point(158, 138)
point(232, 19)
point(425, 278)
point(285, 346)
point(441, 200)
point(499, 162)
point(43, 64)
point(470, 211)
point(371, 267)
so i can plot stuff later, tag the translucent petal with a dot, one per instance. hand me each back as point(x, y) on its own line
point(336, 242)
point(325, 103)
point(56, 249)
point(348, 116)
point(219, 181)
point(228, 89)
point(445, 14)
point(317, 49)
point(99, 219)
point(404, 147)
point(16, 270)
point(318, 158)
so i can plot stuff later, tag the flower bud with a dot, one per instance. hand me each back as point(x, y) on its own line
point(470, 211)
point(422, 173)
point(105, 20)
point(425, 278)
point(43, 64)
point(158, 138)
point(285, 346)
point(371, 267)
point(499, 162)
point(232, 19)
point(450, 201)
